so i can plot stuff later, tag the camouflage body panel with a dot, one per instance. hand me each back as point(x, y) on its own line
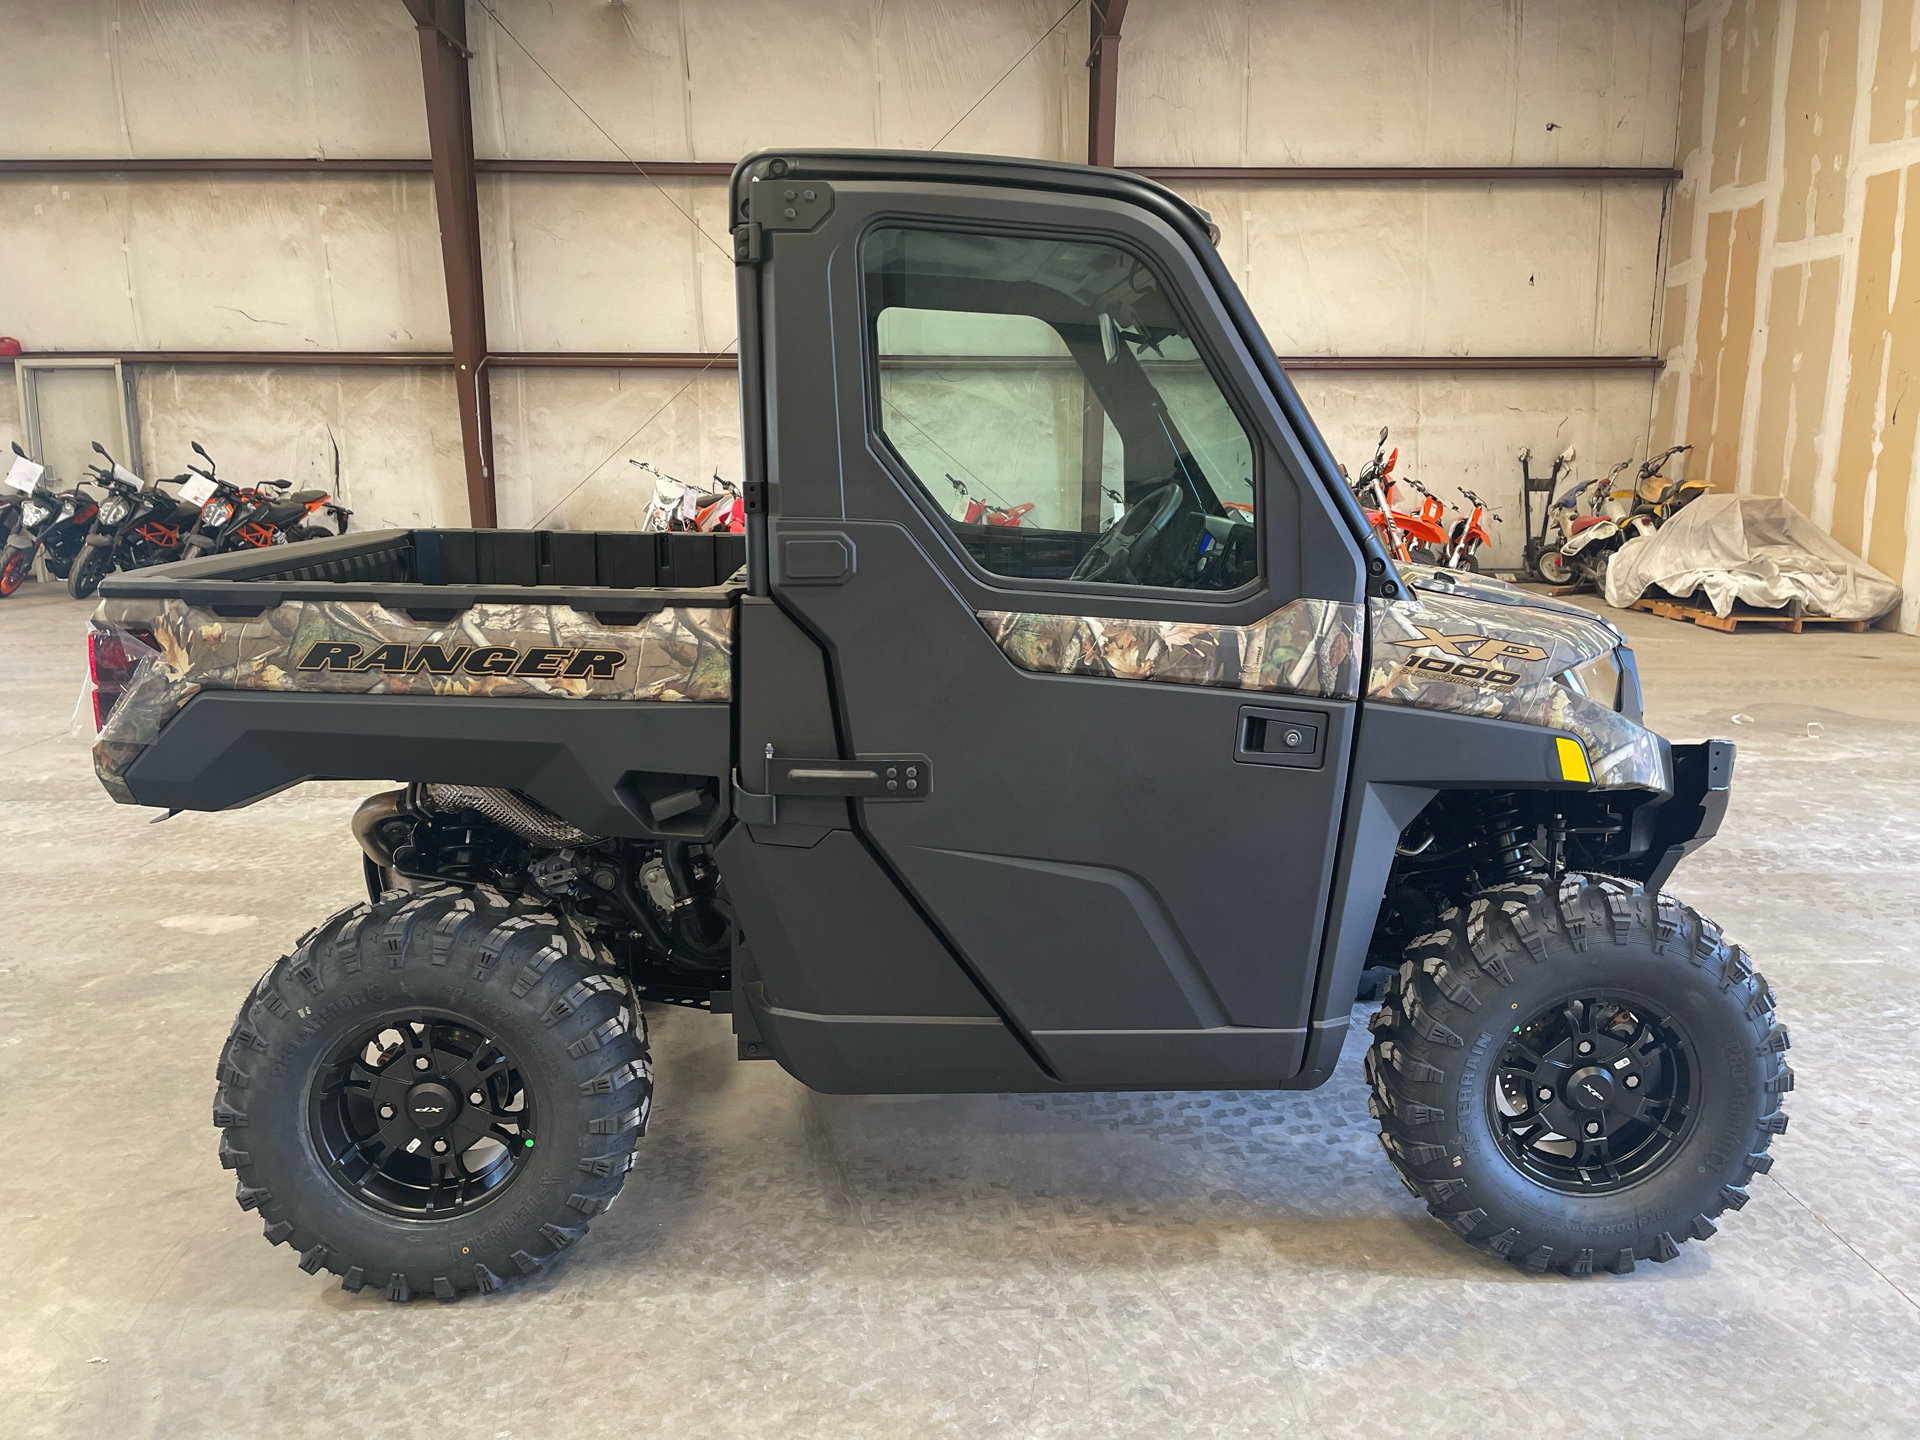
point(1307, 647)
point(360, 647)
point(1452, 624)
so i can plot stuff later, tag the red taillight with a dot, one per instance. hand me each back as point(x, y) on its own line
point(112, 658)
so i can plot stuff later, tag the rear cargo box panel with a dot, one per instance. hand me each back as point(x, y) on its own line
point(677, 653)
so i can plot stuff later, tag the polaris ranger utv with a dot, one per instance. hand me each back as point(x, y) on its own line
point(1126, 795)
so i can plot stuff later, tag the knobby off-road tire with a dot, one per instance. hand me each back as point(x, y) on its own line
point(1446, 1044)
point(569, 1076)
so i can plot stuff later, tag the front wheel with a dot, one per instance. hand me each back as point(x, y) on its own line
point(1552, 568)
point(433, 1094)
point(14, 570)
point(1578, 1075)
point(89, 570)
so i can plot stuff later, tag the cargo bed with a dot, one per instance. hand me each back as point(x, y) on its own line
point(226, 678)
point(463, 567)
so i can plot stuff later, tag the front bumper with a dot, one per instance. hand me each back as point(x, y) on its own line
point(1665, 832)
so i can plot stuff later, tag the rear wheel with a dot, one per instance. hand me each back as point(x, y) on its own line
point(14, 570)
point(433, 1094)
point(89, 570)
point(1578, 1076)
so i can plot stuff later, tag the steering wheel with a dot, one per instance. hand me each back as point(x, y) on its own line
point(1124, 548)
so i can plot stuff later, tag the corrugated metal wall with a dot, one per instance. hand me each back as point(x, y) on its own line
point(1446, 268)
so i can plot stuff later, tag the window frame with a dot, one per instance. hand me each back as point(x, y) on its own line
point(907, 480)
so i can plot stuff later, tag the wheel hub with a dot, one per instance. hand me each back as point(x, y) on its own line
point(432, 1106)
point(1589, 1089)
point(421, 1116)
point(1593, 1093)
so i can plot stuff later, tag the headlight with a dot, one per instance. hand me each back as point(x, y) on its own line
point(218, 513)
point(114, 511)
point(35, 512)
point(1597, 679)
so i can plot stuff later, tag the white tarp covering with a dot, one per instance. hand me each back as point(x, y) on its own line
point(1756, 549)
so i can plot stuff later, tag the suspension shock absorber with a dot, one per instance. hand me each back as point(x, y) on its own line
point(1507, 840)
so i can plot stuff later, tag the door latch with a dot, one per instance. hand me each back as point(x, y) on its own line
point(868, 777)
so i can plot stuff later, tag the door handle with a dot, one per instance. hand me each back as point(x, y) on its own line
point(1294, 738)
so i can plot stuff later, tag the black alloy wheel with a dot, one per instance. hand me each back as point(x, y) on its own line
point(1593, 1093)
point(421, 1117)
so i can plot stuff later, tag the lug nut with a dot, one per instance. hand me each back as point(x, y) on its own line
point(1545, 1094)
point(420, 1062)
point(1633, 1082)
point(1593, 1127)
point(439, 1147)
point(478, 1098)
point(1586, 1047)
point(386, 1112)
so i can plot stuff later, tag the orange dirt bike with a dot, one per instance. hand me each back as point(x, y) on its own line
point(978, 512)
point(1470, 533)
point(679, 505)
point(1418, 537)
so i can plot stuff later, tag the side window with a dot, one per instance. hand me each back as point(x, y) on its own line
point(1046, 396)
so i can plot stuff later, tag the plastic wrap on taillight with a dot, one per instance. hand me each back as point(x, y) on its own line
point(112, 658)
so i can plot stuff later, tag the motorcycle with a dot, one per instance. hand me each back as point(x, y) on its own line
point(1470, 533)
point(252, 517)
point(1619, 516)
point(1413, 538)
point(1653, 508)
point(974, 511)
point(53, 523)
point(678, 505)
point(138, 525)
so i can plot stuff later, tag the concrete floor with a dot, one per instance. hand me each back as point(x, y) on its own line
point(788, 1264)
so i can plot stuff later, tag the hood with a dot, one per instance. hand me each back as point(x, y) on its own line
point(1474, 646)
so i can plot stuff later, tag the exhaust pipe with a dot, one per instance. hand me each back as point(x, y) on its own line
point(526, 818)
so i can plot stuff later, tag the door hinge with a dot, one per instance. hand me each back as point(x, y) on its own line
point(777, 202)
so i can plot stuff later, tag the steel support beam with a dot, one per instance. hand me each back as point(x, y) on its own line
point(725, 360)
point(1103, 76)
point(719, 170)
point(443, 67)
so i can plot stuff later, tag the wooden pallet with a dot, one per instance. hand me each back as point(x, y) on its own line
point(1743, 615)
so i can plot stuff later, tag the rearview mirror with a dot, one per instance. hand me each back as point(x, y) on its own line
point(1383, 434)
point(98, 449)
point(201, 453)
